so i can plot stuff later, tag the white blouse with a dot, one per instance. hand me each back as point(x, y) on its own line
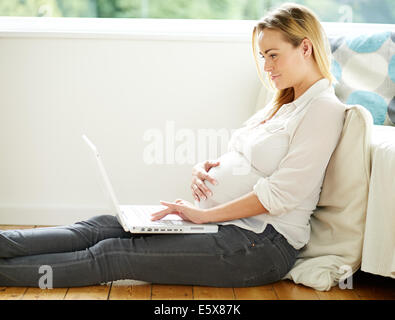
point(283, 161)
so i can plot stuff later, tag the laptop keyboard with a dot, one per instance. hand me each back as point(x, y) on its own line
point(171, 223)
point(144, 215)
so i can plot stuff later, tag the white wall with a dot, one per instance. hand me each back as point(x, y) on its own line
point(114, 89)
point(115, 80)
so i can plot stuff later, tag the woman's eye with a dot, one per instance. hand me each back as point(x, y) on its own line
point(263, 58)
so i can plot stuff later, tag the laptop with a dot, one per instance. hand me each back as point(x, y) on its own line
point(137, 218)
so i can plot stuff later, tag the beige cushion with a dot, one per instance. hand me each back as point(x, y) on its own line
point(338, 223)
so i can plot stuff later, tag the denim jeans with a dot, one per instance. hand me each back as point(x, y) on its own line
point(98, 250)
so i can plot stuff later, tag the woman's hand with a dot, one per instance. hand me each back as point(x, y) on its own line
point(186, 210)
point(199, 174)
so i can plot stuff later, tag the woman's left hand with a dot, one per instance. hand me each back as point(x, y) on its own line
point(186, 210)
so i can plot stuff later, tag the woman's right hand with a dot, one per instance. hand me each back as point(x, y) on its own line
point(199, 174)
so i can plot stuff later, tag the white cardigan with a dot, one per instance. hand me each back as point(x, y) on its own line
point(283, 161)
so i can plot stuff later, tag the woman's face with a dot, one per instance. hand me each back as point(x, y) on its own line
point(286, 65)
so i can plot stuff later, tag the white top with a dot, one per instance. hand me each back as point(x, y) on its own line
point(283, 161)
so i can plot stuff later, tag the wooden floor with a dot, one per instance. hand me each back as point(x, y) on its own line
point(366, 286)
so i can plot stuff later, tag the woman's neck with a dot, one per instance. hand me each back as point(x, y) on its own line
point(302, 88)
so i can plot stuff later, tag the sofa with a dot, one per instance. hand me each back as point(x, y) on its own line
point(364, 65)
point(353, 225)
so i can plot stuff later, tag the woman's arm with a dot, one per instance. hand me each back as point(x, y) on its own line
point(243, 207)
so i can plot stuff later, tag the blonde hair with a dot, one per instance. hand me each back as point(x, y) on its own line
point(296, 22)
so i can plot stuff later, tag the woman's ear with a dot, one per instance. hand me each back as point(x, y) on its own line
point(307, 47)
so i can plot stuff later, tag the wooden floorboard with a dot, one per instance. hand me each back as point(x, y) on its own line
point(287, 290)
point(171, 292)
point(49, 294)
point(122, 290)
point(338, 294)
point(12, 293)
point(366, 286)
point(212, 293)
point(99, 292)
point(13, 227)
point(256, 293)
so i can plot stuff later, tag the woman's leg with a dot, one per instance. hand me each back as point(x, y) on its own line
point(74, 237)
point(230, 258)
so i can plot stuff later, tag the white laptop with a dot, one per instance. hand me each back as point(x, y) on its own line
point(137, 218)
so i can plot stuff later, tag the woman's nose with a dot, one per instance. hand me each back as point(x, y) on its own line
point(267, 66)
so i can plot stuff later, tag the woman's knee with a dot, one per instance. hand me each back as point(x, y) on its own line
point(111, 246)
point(101, 221)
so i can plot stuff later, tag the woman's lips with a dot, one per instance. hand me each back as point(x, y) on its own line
point(274, 77)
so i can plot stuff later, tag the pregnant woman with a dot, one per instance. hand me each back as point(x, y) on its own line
point(268, 184)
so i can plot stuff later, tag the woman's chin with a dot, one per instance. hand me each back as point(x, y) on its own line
point(280, 86)
point(277, 84)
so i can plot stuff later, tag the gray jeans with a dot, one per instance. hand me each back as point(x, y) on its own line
point(98, 250)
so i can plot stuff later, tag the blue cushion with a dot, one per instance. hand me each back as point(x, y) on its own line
point(364, 67)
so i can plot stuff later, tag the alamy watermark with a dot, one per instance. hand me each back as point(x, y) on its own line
point(46, 280)
point(345, 281)
point(346, 13)
point(193, 147)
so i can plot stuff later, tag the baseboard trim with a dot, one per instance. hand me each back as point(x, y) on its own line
point(47, 214)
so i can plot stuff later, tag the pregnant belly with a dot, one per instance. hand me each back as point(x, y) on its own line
point(235, 177)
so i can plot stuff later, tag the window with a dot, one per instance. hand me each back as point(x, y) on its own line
point(361, 11)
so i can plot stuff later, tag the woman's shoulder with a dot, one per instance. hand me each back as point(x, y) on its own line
point(328, 103)
point(324, 111)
